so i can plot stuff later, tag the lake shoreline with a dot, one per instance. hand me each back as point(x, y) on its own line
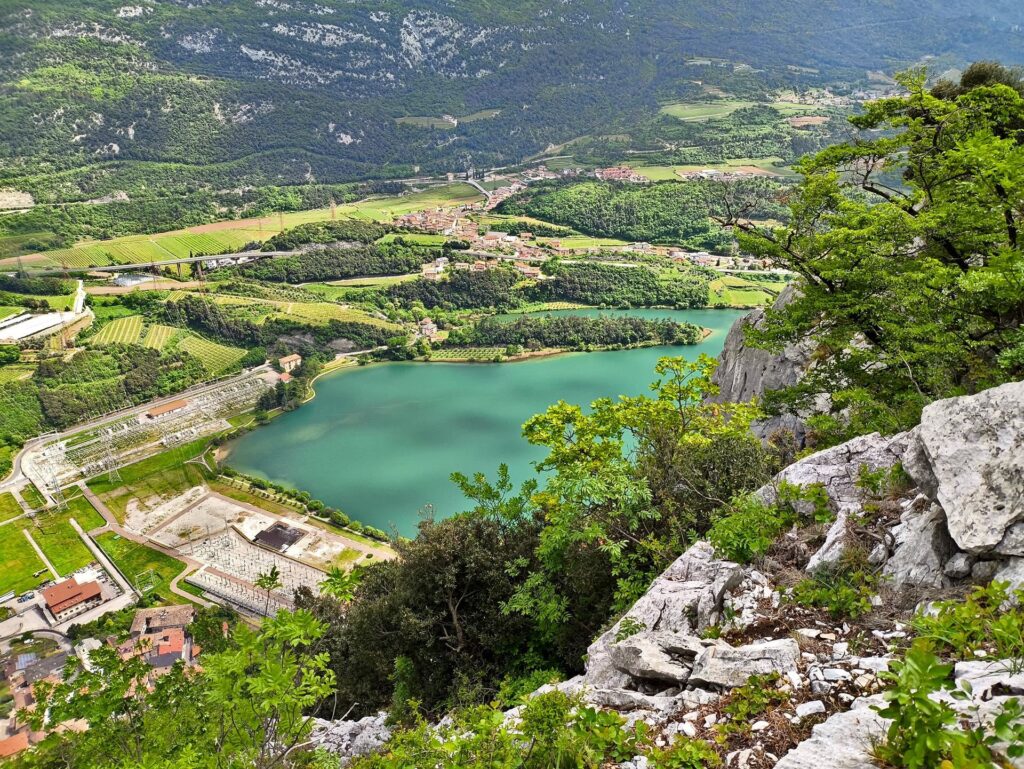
point(381, 446)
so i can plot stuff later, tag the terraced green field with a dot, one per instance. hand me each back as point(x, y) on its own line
point(157, 336)
point(16, 371)
point(120, 331)
point(216, 358)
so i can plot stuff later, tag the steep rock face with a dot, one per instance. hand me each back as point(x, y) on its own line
point(747, 372)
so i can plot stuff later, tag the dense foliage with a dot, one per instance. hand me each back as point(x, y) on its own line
point(462, 290)
point(337, 263)
point(94, 383)
point(617, 286)
point(665, 212)
point(353, 230)
point(908, 249)
point(534, 333)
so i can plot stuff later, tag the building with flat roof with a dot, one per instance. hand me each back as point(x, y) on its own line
point(161, 618)
point(67, 599)
point(167, 408)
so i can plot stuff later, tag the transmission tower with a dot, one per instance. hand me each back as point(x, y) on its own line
point(113, 475)
point(55, 490)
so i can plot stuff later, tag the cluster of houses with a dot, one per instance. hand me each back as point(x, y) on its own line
point(621, 174)
point(159, 636)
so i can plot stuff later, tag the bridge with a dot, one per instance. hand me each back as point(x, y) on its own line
point(222, 260)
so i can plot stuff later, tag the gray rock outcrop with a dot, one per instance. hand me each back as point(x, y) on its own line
point(969, 457)
point(351, 739)
point(685, 600)
point(746, 372)
point(842, 742)
point(728, 667)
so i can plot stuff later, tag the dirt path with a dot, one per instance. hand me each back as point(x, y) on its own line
point(41, 554)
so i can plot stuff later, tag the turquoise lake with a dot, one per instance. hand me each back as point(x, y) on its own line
point(381, 441)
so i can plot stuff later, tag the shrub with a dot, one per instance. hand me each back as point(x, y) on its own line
point(685, 754)
point(745, 528)
point(925, 731)
point(746, 702)
point(983, 621)
point(844, 592)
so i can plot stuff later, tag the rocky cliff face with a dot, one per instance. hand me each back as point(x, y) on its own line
point(745, 372)
point(706, 624)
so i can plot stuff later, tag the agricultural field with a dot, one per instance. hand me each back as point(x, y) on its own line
point(733, 291)
point(234, 235)
point(262, 310)
point(7, 312)
point(216, 358)
point(120, 331)
point(735, 165)
point(478, 354)
point(446, 121)
point(135, 561)
point(582, 241)
point(16, 371)
point(158, 336)
point(696, 112)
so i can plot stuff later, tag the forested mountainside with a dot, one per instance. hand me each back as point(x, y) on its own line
point(98, 95)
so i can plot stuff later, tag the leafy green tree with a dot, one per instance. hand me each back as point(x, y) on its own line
point(246, 707)
point(269, 581)
point(598, 500)
point(907, 242)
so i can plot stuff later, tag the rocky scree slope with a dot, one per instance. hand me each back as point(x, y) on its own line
point(706, 625)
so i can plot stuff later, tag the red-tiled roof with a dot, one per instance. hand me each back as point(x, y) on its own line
point(69, 593)
point(13, 745)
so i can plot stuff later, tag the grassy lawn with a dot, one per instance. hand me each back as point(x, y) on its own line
point(162, 475)
point(343, 289)
point(9, 507)
point(58, 539)
point(732, 291)
point(32, 496)
point(134, 560)
point(20, 561)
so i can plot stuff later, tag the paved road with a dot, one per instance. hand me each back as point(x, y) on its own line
point(136, 266)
